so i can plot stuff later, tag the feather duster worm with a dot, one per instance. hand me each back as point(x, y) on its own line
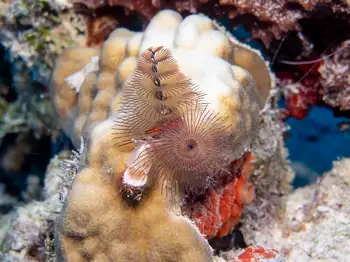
point(181, 142)
point(156, 94)
point(190, 153)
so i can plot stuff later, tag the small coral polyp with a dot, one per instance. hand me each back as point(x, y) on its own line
point(167, 110)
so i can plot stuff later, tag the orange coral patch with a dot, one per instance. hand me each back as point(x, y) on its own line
point(222, 207)
point(257, 254)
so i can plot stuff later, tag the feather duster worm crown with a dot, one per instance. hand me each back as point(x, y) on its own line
point(190, 153)
point(157, 93)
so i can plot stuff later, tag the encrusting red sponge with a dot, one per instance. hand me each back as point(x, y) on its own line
point(219, 210)
point(259, 254)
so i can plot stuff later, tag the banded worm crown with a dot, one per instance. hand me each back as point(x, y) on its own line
point(180, 142)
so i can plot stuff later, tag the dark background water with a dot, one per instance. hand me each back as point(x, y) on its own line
point(315, 142)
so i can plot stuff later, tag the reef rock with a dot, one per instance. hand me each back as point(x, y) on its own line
point(34, 32)
point(30, 226)
point(267, 20)
point(315, 225)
